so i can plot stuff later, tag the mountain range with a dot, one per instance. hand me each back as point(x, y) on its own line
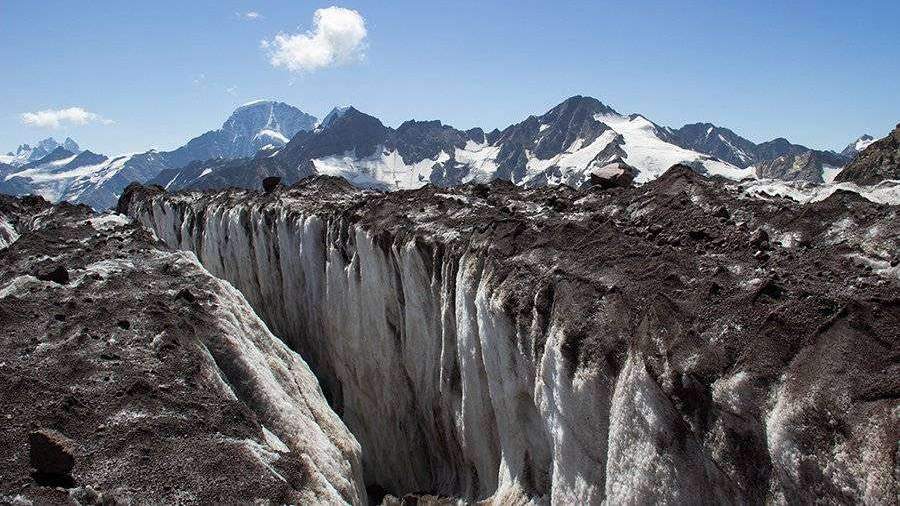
point(568, 144)
point(66, 173)
point(573, 143)
point(26, 153)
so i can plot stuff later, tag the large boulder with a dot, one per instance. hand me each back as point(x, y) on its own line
point(612, 175)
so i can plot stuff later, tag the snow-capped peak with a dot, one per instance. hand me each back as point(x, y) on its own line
point(857, 146)
point(27, 153)
point(863, 142)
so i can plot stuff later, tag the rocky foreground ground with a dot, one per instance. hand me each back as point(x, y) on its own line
point(128, 374)
point(679, 342)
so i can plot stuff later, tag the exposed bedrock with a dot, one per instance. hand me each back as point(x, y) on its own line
point(640, 345)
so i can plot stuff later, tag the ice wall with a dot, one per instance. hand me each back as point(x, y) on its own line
point(449, 392)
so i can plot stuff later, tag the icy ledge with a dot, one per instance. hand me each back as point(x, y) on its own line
point(549, 345)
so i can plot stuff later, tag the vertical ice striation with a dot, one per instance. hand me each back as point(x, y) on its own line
point(459, 377)
point(410, 342)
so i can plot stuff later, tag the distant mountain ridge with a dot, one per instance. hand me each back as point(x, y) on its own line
point(250, 128)
point(565, 145)
point(857, 146)
point(574, 143)
point(26, 153)
point(98, 180)
point(775, 159)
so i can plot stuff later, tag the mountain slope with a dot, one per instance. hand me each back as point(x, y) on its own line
point(877, 162)
point(775, 159)
point(716, 141)
point(87, 178)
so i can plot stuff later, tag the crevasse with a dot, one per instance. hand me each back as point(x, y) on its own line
point(449, 388)
point(413, 350)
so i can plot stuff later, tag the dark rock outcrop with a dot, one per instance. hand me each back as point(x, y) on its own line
point(879, 161)
point(270, 183)
point(51, 455)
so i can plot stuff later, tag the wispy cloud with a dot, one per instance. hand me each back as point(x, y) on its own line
point(199, 80)
point(231, 90)
point(250, 15)
point(337, 38)
point(51, 118)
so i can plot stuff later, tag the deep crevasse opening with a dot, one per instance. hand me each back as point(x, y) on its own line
point(413, 349)
point(460, 377)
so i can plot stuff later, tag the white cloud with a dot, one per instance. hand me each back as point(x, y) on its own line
point(231, 90)
point(338, 38)
point(54, 118)
point(251, 15)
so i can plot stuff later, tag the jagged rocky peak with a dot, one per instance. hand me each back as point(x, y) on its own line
point(879, 161)
point(253, 126)
point(419, 140)
point(572, 120)
point(87, 157)
point(71, 145)
point(352, 132)
point(719, 142)
point(58, 153)
point(27, 153)
point(557, 129)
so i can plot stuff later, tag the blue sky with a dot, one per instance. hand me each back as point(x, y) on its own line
point(818, 73)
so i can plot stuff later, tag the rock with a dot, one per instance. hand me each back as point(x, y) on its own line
point(58, 275)
point(616, 174)
point(270, 183)
point(51, 453)
point(759, 239)
point(481, 190)
point(721, 212)
point(185, 295)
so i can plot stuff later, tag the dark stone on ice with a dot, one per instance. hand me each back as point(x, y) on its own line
point(58, 275)
point(185, 295)
point(51, 454)
point(270, 183)
point(613, 175)
point(760, 239)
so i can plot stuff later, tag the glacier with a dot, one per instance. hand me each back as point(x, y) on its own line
point(461, 370)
